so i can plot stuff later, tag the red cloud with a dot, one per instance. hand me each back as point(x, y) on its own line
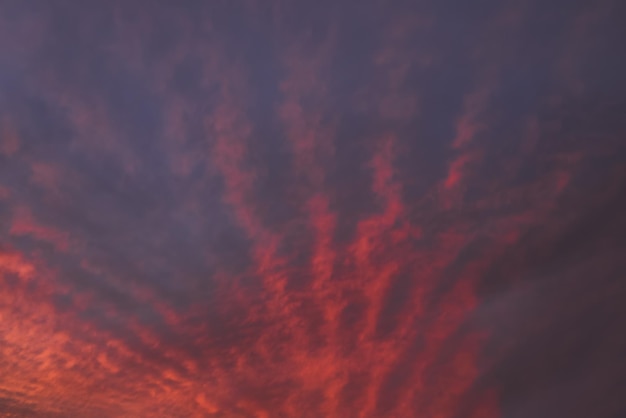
point(215, 212)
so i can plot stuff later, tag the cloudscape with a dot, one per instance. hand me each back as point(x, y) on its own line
point(312, 209)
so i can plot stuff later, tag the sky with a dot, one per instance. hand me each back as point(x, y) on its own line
point(312, 209)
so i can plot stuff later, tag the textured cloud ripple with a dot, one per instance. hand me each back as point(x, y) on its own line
point(312, 209)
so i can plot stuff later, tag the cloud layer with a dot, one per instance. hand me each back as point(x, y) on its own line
point(312, 209)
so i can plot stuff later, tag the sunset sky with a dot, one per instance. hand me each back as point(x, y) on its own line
point(312, 209)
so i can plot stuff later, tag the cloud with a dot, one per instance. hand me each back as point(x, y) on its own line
point(310, 210)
